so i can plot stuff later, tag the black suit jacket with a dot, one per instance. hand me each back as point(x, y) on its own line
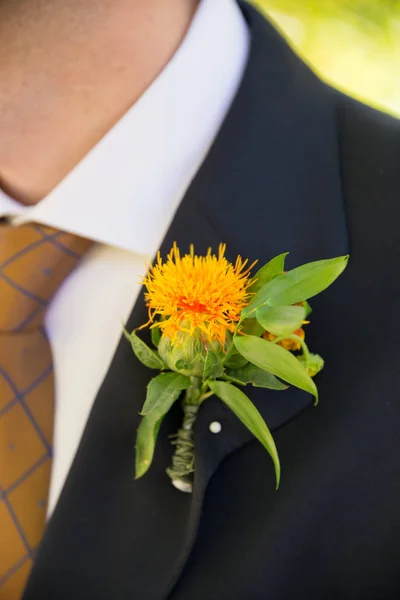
point(295, 167)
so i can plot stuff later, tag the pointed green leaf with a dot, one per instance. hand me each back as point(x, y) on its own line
point(256, 377)
point(297, 285)
point(212, 366)
point(162, 392)
point(145, 443)
point(308, 308)
point(276, 360)
point(272, 269)
point(146, 355)
point(245, 410)
point(308, 281)
point(281, 320)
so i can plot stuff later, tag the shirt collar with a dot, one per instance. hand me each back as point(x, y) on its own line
point(126, 190)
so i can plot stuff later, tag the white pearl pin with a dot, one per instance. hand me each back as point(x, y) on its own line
point(215, 427)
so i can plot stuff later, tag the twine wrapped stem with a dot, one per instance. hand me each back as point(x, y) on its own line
point(183, 459)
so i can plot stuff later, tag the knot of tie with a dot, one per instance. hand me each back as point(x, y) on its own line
point(34, 262)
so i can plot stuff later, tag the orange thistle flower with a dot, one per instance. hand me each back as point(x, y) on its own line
point(204, 293)
point(288, 344)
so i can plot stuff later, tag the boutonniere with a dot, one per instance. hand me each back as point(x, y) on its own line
point(215, 329)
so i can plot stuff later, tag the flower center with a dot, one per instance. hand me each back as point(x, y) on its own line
point(193, 306)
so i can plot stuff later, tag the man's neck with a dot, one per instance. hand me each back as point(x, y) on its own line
point(69, 70)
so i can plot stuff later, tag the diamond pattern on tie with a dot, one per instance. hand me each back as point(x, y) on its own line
point(34, 262)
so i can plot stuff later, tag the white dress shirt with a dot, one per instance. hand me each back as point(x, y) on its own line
point(124, 194)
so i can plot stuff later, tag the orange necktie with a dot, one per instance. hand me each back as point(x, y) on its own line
point(34, 261)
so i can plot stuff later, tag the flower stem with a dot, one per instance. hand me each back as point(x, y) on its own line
point(304, 346)
point(297, 338)
point(183, 459)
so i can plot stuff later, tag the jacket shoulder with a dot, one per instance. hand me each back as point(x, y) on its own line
point(369, 151)
point(369, 134)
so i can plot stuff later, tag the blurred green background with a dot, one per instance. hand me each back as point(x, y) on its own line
point(353, 44)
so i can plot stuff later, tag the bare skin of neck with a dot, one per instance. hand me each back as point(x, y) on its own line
point(69, 70)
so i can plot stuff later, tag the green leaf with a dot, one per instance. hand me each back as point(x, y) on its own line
point(236, 361)
point(251, 327)
point(268, 272)
point(306, 281)
point(276, 360)
point(281, 320)
point(212, 366)
point(256, 377)
point(146, 355)
point(145, 443)
point(245, 410)
point(297, 285)
point(308, 308)
point(162, 392)
point(155, 336)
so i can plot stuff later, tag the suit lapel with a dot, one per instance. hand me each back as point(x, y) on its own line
point(270, 184)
